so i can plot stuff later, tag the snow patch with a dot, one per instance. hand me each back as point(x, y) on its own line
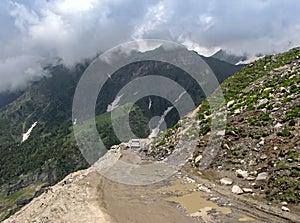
point(114, 104)
point(156, 130)
point(180, 96)
point(150, 104)
point(27, 134)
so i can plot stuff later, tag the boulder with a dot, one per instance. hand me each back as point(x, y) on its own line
point(198, 158)
point(204, 189)
point(236, 189)
point(247, 190)
point(226, 181)
point(242, 173)
point(284, 208)
point(263, 157)
point(230, 103)
point(262, 176)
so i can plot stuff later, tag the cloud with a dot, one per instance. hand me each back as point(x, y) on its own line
point(20, 71)
point(36, 32)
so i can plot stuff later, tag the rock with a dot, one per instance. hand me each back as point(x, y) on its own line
point(225, 146)
point(237, 111)
point(124, 146)
point(204, 189)
point(284, 90)
point(262, 176)
point(263, 157)
point(278, 125)
point(242, 173)
point(236, 190)
point(247, 190)
point(262, 101)
point(226, 181)
point(214, 199)
point(198, 158)
point(190, 180)
point(268, 88)
point(262, 142)
point(230, 103)
point(256, 149)
point(221, 133)
point(284, 208)
point(284, 203)
point(250, 178)
point(252, 163)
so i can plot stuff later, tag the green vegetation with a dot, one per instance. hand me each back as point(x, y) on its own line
point(264, 116)
point(284, 133)
point(290, 186)
point(234, 152)
point(292, 113)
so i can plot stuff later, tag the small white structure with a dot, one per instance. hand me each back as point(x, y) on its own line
point(135, 144)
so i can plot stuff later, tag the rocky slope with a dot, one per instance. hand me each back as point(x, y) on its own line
point(260, 151)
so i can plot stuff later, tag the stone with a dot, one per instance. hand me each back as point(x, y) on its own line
point(283, 89)
point(284, 203)
point(247, 190)
point(225, 146)
point(278, 125)
point(262, 101)
point(262, 142)
point(284, 208)
point(263, 157)
point(230, 103)
point(226, 181)
point(242, 173)
point(237, 111)
point(236, 190)
point(250, 178)
point(252, 163)
point(268, 88)
point(198, 158)
point(204, 189)
point(214, 199)
point(262, 176)
point(190, 180)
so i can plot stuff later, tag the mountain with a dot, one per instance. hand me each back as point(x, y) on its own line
point(252, 176)
point(229, 58)
point(37, 144)
point(8, 97)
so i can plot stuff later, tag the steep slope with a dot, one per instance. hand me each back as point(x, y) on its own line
point(8, 97)
point(261, 148)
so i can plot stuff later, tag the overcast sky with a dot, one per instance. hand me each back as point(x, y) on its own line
point(34, 32)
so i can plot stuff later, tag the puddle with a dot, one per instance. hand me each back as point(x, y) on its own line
point(178, 187)
point(246, 218)
point(192, 201)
